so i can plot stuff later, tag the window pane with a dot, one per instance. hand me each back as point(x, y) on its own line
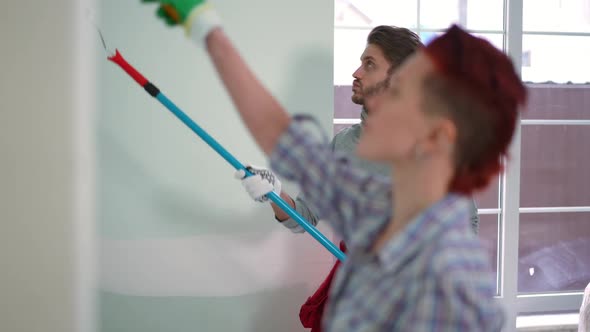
point(554, 251)
point(552, 15)
point(557, 59)
point(344, 108)
point(554, 166)
point(558, 101)
point(488, 234)
point(488, 199)
point(349, 44)
point(371, 13)
point(495, 39)
point(474, 15)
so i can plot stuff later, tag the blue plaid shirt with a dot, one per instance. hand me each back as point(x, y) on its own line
point(432, 276)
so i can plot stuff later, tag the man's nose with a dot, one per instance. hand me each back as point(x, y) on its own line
point(357, 73)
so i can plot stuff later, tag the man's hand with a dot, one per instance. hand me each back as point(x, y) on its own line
point(261, 183)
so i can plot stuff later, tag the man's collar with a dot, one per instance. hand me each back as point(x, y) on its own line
point(364, 115)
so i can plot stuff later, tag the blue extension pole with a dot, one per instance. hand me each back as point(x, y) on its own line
point(156, 93)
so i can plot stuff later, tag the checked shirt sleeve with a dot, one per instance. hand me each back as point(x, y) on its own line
point(339, 192)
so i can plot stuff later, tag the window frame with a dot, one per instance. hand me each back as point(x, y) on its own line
point(509, 208)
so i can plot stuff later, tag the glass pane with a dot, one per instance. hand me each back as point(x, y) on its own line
point(488, 199)
point(370, 13)
point(554, 166)
point(557, 101)
point(496, 39)
point(554, 251)
point(558, 59)
point(344, 108)
point(553, 15)
point(474, 15)
point(349, 44)
point(488, 234)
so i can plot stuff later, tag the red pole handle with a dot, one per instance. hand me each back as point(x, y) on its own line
point(118, 59)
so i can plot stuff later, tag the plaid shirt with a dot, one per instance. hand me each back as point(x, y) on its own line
point(432, 276)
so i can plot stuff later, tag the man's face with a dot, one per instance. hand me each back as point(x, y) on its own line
point(373, 69)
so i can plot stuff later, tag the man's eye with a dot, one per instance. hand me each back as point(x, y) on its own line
point(369, 65)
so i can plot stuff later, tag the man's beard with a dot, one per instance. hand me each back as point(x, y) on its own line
point(371, 91)
point(359, 100)
point(377, 88)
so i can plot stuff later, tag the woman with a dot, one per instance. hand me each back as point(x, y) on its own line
point(443, 122)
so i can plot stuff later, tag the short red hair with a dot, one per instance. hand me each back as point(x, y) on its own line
point(483, 95)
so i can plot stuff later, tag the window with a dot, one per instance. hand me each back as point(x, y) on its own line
point(554, 193)
point(556, 58)
point(556, 16)
point(535, 220)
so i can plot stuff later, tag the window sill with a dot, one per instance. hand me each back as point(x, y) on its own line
point(548, 323)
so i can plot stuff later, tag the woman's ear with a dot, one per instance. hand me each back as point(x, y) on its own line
point(440, 137)
point(444, 134)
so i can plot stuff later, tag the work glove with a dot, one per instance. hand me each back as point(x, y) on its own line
point(197, 16)
point(262, 182)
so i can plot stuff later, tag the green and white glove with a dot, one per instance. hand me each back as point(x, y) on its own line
point(197, 16)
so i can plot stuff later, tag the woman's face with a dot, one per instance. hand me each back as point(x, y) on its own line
point(397, 123)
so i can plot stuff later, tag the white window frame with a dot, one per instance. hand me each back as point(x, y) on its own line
point(509, 209)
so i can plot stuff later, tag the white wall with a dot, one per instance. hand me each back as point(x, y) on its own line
point(182, 247)
point(46, 88)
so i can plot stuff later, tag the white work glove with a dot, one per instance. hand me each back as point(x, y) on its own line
point(261, 183)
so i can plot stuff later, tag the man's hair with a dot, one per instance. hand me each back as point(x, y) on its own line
point(475, 85)
point(397, 44)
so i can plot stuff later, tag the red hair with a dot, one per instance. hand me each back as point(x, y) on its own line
point(473, 74)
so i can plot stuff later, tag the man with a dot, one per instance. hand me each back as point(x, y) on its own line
point(387, 47)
